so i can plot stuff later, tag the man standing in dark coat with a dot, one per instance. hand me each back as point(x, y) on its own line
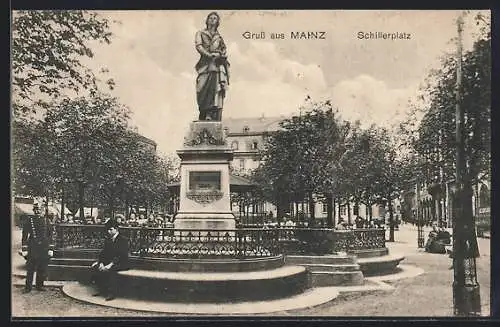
point(37, 248)
point(112, 258)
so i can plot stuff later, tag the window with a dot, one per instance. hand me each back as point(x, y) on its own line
point(255, 145)
point(242, 163)
point(246, 129)
point(343, 210)
point(356, 210)
point(325, 207)
point(484, 196)
point(234, 145)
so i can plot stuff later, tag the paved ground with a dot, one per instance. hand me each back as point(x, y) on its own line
point(429, 294)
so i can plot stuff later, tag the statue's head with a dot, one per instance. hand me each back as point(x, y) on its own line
point(213, 18)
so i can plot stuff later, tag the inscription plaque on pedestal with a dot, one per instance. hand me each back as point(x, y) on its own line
point(204, 180)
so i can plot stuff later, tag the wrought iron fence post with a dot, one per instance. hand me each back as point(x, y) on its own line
point(142, 241)
point(59, 237)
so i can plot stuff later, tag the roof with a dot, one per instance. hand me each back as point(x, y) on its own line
point(254, 124)
point(143, 138)
point(27, 209)
point(23, 208)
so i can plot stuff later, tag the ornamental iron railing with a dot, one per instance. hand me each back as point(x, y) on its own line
point(181, 243)
point(324, 240)
point(238, 243)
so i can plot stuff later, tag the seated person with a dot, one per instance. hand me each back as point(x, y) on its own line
point(342, 225)
point(112, 258)
point(360, 222)
point(438, 238)
point(444, 236)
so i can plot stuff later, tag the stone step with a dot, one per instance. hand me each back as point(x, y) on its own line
point(180, 264)
point(320, 259)
point(197, 286)
point(328, 267)
point(215, 276)
point(336, 278)
point(369, 253)
point(76, 253)
point(68, 272)
point(307, 299)
point(220, 287)
point(380, 265)
point(72, 261)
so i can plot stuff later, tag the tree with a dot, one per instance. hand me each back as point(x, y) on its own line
point(394, 176)
point(436, 141)
point(47, 48)
point(299, 160)
point(33, 170)
point(362, 166)
point(71, 145)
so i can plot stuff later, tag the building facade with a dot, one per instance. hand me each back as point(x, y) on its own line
point(145, 142)
point(247, 137)
point(435, 203)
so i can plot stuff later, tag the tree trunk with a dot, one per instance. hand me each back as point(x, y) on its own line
point(333, 212)
point(340, 204)
point(127, 209)
point(62, 205)
point(112, 204)
point(433, 208)
point(81, 197)
point(311, 206)
point(391, 219)
point(280, 208)
point(348, 212)
point(329, 211)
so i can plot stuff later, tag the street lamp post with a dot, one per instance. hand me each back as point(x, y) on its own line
point(420, 224)
point(466, 296)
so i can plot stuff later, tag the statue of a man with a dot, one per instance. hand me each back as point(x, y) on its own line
point(212, 69)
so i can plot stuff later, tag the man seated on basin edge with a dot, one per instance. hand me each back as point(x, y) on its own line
point(112, 258)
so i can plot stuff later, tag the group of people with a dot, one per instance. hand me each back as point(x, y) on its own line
point(37, 248)
point(142, 221)
point(131, 221)
point(438, 239)
point(359, 223)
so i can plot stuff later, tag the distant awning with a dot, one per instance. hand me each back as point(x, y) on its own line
point(27, 209)
point(237, 184)
point(23, 209)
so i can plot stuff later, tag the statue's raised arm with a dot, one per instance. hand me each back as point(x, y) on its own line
point(212, 69)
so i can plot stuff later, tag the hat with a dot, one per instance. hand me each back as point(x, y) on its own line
point(111, 223)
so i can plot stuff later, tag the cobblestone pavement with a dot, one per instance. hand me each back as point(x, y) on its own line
point(429, 294)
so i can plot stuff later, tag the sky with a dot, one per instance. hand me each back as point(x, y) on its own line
point(152, 58)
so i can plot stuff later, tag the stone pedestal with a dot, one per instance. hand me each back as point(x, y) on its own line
point(204, 187)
